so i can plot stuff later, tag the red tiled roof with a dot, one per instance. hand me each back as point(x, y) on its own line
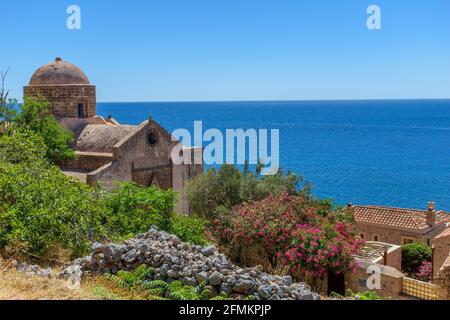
point(410, 219)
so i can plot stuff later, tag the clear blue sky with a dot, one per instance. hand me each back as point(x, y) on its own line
point(172, 50)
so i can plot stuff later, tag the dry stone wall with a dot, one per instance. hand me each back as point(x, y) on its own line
point(191, 264)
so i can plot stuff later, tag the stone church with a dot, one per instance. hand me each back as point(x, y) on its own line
point(107, 151)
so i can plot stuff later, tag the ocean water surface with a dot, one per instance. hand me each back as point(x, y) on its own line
point(394, 153)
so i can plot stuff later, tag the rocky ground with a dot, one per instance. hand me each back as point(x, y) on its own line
point(175, 260)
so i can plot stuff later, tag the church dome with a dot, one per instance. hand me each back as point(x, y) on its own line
point(59, 72)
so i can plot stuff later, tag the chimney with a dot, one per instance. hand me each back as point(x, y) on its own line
point(431, 214)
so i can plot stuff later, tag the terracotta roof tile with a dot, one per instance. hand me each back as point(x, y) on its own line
point(410, 219)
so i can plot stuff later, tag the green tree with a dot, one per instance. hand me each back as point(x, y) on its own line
point(35, 116)
point(413, 255)
point(220, 190)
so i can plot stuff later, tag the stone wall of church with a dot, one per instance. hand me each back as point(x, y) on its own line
point(64, 99)
point(88, 161)
point(138, 159)
point(135, 159)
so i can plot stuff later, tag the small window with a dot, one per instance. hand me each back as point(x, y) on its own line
point(362, 236)
point(376, 238)
point(81, 110)
point(152, 138)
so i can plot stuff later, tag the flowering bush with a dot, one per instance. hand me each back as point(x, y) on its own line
point(316, 251)
point(296, 232)
point(425, 271)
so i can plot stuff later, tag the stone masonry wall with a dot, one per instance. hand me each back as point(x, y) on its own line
point(88, 161)
point(391, 280)
point(63, 100)
point(441, 253)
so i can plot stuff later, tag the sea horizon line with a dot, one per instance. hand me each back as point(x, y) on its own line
point(275, 100)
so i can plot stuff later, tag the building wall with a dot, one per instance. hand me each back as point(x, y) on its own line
point(134, 159)
point(88, 161)
point(442, 279)
point(394, 236)
point(384, 234)
point(391, 280)
point(64, 99)
point(394, 258)
point(182, 174)
point(441, 252)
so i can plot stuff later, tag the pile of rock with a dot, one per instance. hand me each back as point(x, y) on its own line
point(175, 260)
point(34, 270)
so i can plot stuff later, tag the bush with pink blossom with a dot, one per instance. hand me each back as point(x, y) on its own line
point(295, 232)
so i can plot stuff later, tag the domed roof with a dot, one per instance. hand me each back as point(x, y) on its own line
point(59, 72)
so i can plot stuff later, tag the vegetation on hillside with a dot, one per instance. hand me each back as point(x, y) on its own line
point(274, 221)
point(221, 190)
point(41, 208)
point(303, 235)
point(35, 116)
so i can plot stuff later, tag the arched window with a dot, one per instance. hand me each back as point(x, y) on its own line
point(152, 138)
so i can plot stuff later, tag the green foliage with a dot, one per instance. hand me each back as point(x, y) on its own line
point(189, 229)
point(134, 209)
point(105, 293)
point(22, 146)
point(138, 283)
point(35, 116)
point(368, 295)
point(221, 190)
point(413, 255)
point(8, 113)
point(40, 207)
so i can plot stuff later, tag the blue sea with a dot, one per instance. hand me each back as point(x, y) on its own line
point(394, 153)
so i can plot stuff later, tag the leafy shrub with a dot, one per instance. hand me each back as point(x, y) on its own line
point(34, 115)
point(413, 255)
point(307, 235)
point(222, 189)
point(189, 229)
point(133, 209)
point(22, 146)
point(41, 207)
